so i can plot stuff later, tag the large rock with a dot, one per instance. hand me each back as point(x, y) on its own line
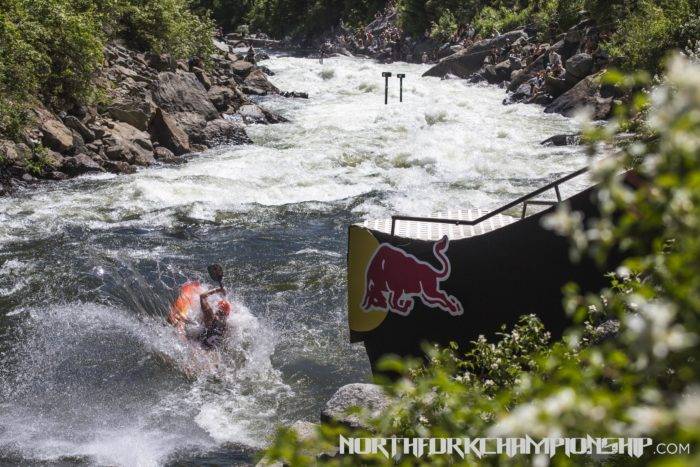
point(257, 79)
point(182, 92)
point(127, 143)
point(563, 140)
point(469, 60)
point(585, 94)
point(221, 97)
point(579, 66)
point(242, 68)
point(80, 164)
point(221, 131)
point(75, 124)
point(136, 110)
point(165, 130)
point(55, 134)
point(365, 396)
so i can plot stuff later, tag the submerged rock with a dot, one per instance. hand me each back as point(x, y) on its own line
point(563, 140)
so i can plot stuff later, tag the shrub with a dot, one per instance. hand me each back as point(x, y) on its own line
point(51, 49)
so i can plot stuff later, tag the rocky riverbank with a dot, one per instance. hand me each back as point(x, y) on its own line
point(564, 76)
point(154, 110)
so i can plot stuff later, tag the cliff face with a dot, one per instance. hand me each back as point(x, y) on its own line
point(155, 110)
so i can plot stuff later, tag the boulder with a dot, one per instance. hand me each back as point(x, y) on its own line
point(136, 110)
point(579, 66)
point(251, 113)
point(161, 62)
point(202, 77)
point(182, 92)
point(222, 131)
point(366, 396)
point(166, 131)
point(585, 94)
point(563, 140)
point(119, 167)
point(242, 68)
point(467, 61)
point(80, 164)
point(257, 79)
point(221, 97)
point(55, 134)
point(76, 125)
point(127, 143)
point(8, 153)
point(163, 154)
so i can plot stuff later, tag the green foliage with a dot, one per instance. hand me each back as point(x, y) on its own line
point(645, 381)
point(51, 49)
point(445, 26)
point(306, 18)
point(491, 20)
point(167, 26)
point(643, 38)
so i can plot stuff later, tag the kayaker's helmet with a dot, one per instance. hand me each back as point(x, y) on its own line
point(223, 307)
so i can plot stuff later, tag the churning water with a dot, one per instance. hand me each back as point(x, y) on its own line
point(89, 371)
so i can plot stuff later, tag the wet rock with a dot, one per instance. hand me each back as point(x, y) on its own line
point(222, 131)
point(221, 97)
point(242, 68)
point(182, 92)
point(295, 94)
point(258, 79)
point(80, 164)
point(58, 176)
point(163, 154)
point(251, 113)
point(563, 140)
point(366, 396)
point(585, 94)
point(166, 131)
point(469, 60)
point(128, 143)
point(74, 124)
point(55, 134)
point(119, 167)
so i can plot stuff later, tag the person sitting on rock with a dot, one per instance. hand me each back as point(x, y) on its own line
point(250, 56)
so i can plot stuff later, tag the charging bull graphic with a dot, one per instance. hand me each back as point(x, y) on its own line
point(394, 279)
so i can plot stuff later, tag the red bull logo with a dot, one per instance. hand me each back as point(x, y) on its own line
point(394, 279)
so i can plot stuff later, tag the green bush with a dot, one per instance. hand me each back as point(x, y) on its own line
point(51, 49)
point(644, 37)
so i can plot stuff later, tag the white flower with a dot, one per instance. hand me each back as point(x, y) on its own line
point(688, 408)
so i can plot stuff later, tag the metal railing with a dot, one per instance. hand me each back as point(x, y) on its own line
point(525, 200)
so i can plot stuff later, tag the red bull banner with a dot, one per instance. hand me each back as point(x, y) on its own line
point(403, 292)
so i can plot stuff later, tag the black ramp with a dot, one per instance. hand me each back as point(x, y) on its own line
point(493, 279)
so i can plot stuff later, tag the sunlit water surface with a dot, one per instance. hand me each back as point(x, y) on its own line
point(90, 373)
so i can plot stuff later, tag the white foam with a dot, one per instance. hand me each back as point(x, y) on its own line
point(343, 142)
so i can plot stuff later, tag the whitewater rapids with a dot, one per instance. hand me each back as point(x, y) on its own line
point(87, 267)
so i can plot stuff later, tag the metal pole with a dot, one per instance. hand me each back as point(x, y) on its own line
point(400, 76)
point(386, 76)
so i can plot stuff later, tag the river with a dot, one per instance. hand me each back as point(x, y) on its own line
point(89, 372)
